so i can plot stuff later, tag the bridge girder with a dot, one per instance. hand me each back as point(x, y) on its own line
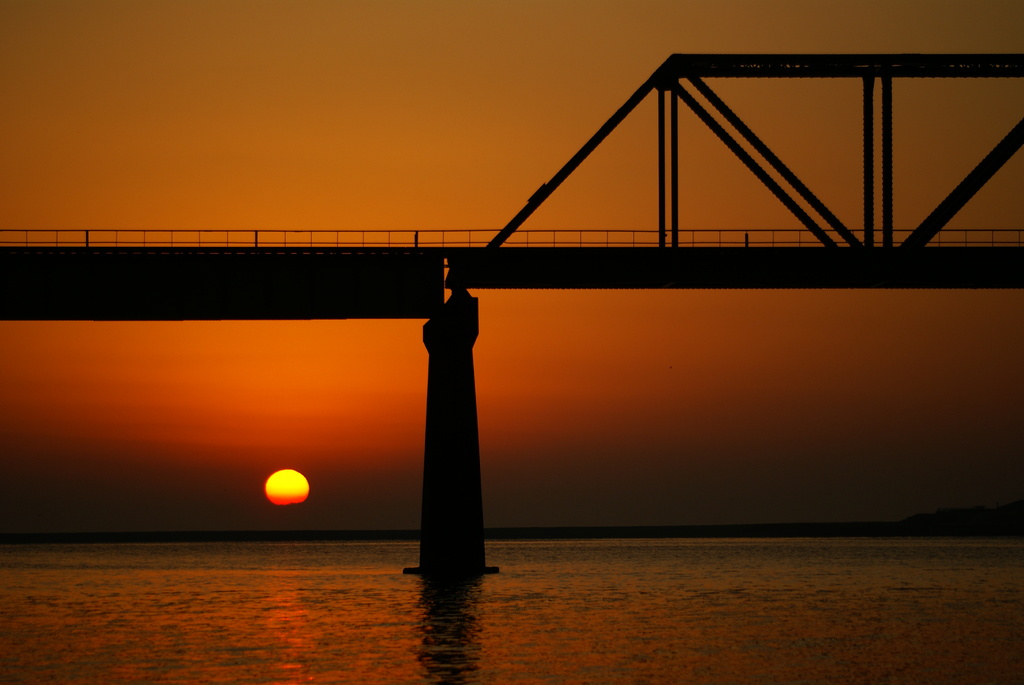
point(100, 284)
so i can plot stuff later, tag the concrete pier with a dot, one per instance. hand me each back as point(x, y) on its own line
point(451, 526)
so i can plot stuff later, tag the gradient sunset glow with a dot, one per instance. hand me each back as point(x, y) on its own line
point(595, 407)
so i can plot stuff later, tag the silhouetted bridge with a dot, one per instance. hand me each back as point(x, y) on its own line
point(267, 274)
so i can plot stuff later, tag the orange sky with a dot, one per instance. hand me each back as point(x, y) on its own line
point(595, 407)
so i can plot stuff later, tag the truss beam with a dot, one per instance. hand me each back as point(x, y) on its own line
point(843, 66)
point(867, 67)
point(776, 163)
point(967, 188)
point(755, 168)
point(546, 189)
point(869, 160)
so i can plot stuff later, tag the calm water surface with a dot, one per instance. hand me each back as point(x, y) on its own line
point(572, 611)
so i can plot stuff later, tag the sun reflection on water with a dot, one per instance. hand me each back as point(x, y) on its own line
point(449, 627)
point(288, 622)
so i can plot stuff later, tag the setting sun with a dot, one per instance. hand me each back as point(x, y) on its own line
point(287, 487)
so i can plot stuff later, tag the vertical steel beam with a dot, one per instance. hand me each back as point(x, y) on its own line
point(869, 161)
point(661, 168)
point(674, 176)
point(886, 161)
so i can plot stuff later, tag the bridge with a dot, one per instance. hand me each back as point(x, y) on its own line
point(290, 274)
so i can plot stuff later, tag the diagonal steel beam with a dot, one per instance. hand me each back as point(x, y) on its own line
point(546, 189)
point(967, 188)
point(752, 164)
point(776, 163)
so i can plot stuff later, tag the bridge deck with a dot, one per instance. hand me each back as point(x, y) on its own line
point(160, 283)
point(709, 267)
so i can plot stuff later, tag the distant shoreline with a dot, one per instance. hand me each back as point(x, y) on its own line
point(919, 526)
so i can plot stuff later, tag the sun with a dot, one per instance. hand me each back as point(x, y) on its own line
point(287, 487)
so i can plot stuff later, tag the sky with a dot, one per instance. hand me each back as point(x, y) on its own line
point(595, 407)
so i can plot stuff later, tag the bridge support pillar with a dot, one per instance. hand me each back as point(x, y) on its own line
point(451, 525)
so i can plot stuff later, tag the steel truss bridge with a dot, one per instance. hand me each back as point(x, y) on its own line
point(146, 274)
point(278, 274)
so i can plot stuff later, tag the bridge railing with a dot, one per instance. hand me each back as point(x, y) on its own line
point(430, 238)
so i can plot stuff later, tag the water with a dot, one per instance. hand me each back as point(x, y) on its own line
point(567, 611)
